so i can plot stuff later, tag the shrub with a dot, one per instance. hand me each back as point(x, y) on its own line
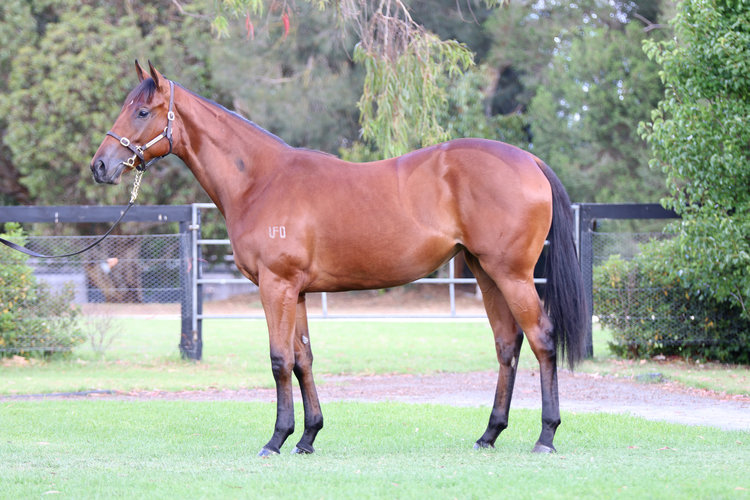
point(33, 319)
point(651, 311)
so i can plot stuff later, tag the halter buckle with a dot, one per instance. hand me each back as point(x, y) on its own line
point(125, 141)
point(130, 162)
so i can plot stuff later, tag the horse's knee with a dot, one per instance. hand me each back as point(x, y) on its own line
point(281, 365)
point(303, 361)
point(506, 353)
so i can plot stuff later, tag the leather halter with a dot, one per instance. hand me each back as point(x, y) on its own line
point(139, 150)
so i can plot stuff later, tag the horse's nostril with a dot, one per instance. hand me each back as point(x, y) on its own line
point(98, 167)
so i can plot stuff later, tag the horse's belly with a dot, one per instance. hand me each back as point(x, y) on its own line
point(380, 265)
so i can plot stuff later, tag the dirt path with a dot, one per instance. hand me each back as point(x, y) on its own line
point(579, 392)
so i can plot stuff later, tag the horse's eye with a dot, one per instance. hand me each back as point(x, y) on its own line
point(143, 113)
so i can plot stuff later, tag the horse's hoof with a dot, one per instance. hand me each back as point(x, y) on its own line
point(481, 445)
point(542, 448)
point(265, 453)
point(302, 451)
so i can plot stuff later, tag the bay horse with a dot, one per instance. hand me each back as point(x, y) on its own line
point(305, 221)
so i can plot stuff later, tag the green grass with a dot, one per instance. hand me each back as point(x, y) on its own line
point(732, 379)
point(115, 449)
point(189, 449)
point(145, 357)
point(235, 354)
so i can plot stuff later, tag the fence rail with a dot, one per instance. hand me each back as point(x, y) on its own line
point(192, 278)
point(137, 261)
point(199, 281)
point(589, 215)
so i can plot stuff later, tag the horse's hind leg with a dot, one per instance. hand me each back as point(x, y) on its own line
point(517, 293)
point(526, 307)
point(303, 359)
point(508, 340)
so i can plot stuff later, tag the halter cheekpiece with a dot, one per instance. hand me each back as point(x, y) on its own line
point(139, 150)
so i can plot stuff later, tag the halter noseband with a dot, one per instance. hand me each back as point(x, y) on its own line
point(138, 150)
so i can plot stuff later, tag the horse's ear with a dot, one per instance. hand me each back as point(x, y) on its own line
point(155, 75)
point(140, 71)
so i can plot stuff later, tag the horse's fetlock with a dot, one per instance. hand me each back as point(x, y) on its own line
point(284, 427)
point(552, 423)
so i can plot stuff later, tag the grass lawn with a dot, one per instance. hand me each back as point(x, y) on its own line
point(192, 449)
point(732, 379)
point(145, 357)
point(180, 449)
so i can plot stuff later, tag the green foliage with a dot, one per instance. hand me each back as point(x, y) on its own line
point(466, 116)
point(303, 88)
point(66, 69)
point(33, 320)
point(69, 71)
point(403, 95)
point(652, 311)
point(700, 138)
point(584, 118)
point(405, 65)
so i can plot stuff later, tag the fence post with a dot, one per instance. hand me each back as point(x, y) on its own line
point(585, 228)
point(191, 343)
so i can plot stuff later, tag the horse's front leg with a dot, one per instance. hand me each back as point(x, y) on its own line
point(279, 298)
point(303, 359)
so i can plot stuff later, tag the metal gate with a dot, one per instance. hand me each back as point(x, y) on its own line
point(200, 280)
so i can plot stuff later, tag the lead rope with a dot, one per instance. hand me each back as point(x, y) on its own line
point(133, 196)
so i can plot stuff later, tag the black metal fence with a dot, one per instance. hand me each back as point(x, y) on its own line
point(123, 269)
point(163, 267)
point(597, 246)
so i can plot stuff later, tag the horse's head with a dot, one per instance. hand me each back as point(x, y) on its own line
point(142, 132)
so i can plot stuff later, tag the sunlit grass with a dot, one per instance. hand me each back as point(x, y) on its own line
point(111, 449)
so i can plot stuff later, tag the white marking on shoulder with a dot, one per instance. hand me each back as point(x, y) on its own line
point(277, 231)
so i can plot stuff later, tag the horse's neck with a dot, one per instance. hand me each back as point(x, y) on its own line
point(228, 155)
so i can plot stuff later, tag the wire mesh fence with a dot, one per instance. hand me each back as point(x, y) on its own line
point(625, 244)
point(41, 300)
point(650, 314)
point(624, 303)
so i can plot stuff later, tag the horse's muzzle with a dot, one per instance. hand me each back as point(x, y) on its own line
point(99, 169)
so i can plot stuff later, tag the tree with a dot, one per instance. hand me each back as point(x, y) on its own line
point(405, 67)
point(585, 118)
point(303, 88)
point(700, 137)
point(15, 20)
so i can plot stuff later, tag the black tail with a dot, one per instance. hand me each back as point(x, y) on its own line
point(563, 295)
